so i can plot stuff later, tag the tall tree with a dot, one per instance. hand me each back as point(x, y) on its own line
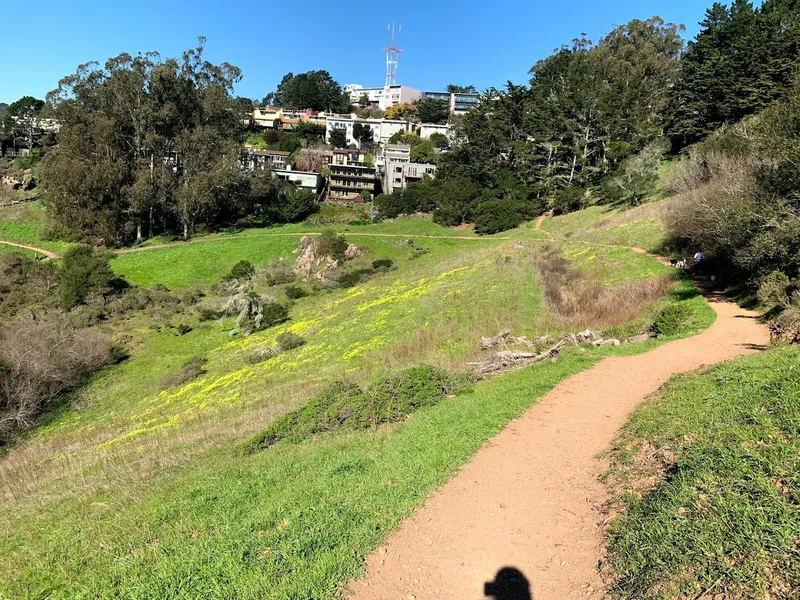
point(144, 141)
point(432, 110)
point(22, 116)
point(316, 90)
point(461, 89)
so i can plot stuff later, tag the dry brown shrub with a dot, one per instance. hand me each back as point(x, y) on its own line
point(578, 300)
point(39, 360)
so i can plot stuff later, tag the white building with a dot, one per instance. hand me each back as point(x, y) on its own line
point(382, 97)
point(428, 129)
point(382, 129)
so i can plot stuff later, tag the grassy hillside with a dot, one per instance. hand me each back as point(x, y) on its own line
point(24, 224)
point(707, 473)
point(136, 490)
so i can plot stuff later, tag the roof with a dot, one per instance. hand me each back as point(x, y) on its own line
point(271, 153)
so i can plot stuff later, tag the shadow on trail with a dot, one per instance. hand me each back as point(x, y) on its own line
point(508, 584)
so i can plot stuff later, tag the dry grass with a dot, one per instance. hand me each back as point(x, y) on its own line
point(651, 210)
point(579, 300)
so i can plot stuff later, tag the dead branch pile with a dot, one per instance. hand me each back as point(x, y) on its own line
point(507, 358)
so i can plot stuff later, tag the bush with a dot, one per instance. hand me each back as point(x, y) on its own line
point(39, 360)
point(352, 278)
point(289, 341)
point(84, 271)
point(182, 329)
point(344, 405)
point(568, 200)
point(774, 290)
point(241, 270)
point(494, 216)
point(329, 243)
point(191, 369)
point(209, 314)
point(260, 355)
point(279, 273)
point(671, 320)
point(273, 313)
point(298, 205)
point(382, 263)
point(295, 292)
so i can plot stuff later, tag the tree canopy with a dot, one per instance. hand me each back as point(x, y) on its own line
point(146, 145)
point(316, 90)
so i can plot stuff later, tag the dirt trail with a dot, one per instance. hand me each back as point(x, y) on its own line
point(529, 498)
point(47, 254)
point(539, 222)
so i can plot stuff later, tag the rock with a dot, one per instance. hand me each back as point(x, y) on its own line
point(411, 597)
point(642, 337)
point(611, 342)
point(588, 335)
point(352, 252)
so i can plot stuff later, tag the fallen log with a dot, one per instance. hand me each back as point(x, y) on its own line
point(493, 342)
point(509, 359)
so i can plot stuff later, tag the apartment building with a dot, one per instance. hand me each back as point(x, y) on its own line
point(382, 129)
point(266, 117)
point(302, 179)
point(459, 103)
point(350, 176)
point(259, 159)
point(428, 129)
point(399, 174)
point(382, 97)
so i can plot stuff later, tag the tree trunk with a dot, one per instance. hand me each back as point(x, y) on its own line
point(139, 232)
point(150, 223)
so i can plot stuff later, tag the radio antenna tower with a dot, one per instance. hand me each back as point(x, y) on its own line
point(392, 54)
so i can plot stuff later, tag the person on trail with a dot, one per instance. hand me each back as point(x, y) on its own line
point(699, 262)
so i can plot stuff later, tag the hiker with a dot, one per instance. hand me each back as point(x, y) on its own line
point(699, 262)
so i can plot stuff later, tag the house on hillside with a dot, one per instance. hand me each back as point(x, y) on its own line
point(259, 159)
point(351, 176)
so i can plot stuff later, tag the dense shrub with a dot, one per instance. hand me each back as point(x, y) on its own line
point(775, 290)
point(289, 341)
point(241, 270)
point(84, 272)
point(349, 279)
point(191, 369)
point(298, 205)
point(278, 273)
point(260, 355)
point(671, 320)
point(25, 282)
point(209, 314)
point(568, 200)
point(345, 405)
point(382, 263)
point(295, 292)
point(39, 360)
point(329, 243)
point(494, 216)
point(273, 313)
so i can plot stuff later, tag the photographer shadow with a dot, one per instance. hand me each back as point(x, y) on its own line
point(508, 584)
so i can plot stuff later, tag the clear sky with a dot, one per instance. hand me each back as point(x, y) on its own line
point(484, 43)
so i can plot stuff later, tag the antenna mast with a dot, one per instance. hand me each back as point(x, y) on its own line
point(393, 52)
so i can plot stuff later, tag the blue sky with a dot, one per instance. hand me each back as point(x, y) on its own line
point(467, 42)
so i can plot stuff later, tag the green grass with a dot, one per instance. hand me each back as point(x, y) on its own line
point(571, 223)
point(4, 249)
point(291, 522)
point(724, 514)
point(648, 234)
point(135, 492)
point(24, 224)
point(188, 264)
